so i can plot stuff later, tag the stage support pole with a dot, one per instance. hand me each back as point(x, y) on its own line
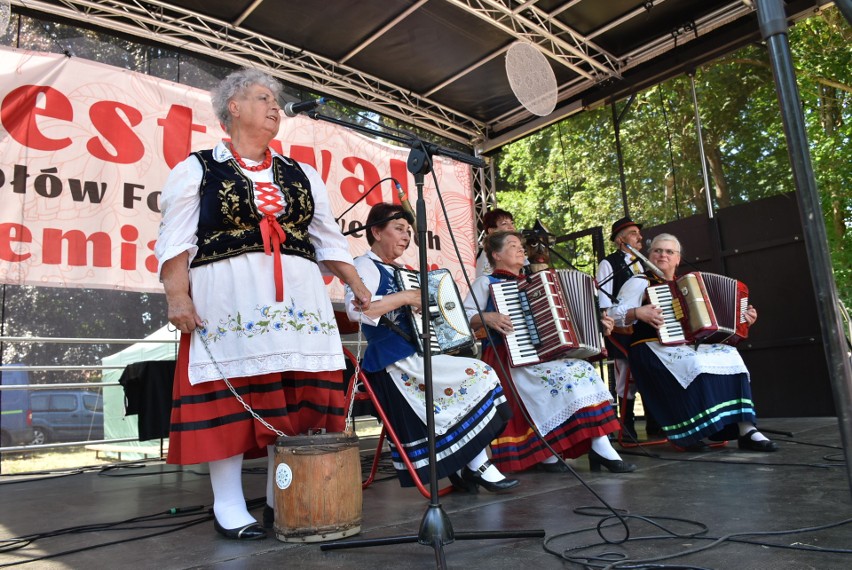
point(773, 27)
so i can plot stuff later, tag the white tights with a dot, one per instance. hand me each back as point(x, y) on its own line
point(229, 503)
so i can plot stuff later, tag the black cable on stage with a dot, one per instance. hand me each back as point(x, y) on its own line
point(618, 560)
point(17, 543)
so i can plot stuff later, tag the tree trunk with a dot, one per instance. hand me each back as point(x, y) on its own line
point(717, 171)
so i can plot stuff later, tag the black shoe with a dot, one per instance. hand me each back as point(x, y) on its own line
point(462, 486)
point(612, 465)
point(475, 478)
point(268, 516)
point(652, 426)
point(252, 531)
point(696, 447)
point(746, 442)
point(555, 467)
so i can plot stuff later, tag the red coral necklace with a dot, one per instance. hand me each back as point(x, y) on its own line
point(267, 160)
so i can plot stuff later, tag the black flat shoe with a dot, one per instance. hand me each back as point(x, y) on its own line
point(612, 465)
point(746, 442)
point(557, 467)
point(475, 478)
point(695, 447)
point(462, 486)
point(252, 531)
point(268, 516)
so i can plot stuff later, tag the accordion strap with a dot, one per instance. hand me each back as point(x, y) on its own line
point(384, 320)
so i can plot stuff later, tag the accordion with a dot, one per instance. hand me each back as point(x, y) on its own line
point(701, 307)
point(554, 314)
point(449, 328)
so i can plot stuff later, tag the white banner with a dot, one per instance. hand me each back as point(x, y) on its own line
point(86, 148)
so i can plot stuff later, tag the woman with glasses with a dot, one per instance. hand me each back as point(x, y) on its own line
point(694, 392)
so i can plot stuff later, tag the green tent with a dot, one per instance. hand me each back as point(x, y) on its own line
point(118, 425)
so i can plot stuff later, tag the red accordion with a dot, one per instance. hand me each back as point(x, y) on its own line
point(553, 314)
point(701, 308)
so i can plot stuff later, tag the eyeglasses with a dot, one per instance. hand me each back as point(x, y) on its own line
point(661, 251)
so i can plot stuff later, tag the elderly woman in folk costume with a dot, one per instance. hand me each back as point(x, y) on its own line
point(470, 408)
point(695, 392)
point(245, 239)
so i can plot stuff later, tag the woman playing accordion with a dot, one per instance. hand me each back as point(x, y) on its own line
point(565, 397)
point(695, 392)
point(470, 408)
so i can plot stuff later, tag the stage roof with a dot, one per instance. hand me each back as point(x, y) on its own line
point(440, 64)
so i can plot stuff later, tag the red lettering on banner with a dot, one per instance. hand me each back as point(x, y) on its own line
point(177, 134)
point(276, 145)
point(13, 233)
point(23, 105)
point(352, 188)
point(128, 250)
point(306, 155)
point(108, 122)
point(151, 263)
point(77, 247)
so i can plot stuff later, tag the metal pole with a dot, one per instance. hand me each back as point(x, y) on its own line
point(616, 124)
point(700, 134)
point(773, 27)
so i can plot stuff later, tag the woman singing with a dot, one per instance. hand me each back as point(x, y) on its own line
point(245, 237)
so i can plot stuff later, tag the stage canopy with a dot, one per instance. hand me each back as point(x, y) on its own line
point(441, 64)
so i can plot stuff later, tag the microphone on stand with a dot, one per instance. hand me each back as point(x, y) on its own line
point(646, 262)
point(294, 108)
point(406, 205)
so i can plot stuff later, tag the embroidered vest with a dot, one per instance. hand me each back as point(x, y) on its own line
point(620, 277)
point(384, 346)
point(229, 221)
point(619, 270)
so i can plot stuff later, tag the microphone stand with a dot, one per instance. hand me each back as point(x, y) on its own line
point(436, 530)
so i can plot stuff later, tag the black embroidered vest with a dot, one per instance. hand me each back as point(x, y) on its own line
point(229, 221)
point(619, 270)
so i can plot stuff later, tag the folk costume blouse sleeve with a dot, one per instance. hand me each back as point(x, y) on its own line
point(325, 234)
point(630, 297)
point(180, 203)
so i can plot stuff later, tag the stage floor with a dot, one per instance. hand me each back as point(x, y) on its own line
point(73, 519)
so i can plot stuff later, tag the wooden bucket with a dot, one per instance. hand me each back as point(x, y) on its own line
point(317, 487)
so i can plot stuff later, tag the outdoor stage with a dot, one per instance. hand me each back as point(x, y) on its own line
point(803, 485)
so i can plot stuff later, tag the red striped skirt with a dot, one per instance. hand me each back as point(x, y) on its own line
point(519, 448)
point(208, 423)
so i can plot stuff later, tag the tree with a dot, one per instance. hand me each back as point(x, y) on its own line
point(567, 174)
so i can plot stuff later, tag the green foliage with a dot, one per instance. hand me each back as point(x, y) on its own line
point(567, 174)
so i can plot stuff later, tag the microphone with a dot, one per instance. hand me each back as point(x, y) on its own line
point(646, 262)
point(294, 108)
point(406, 205)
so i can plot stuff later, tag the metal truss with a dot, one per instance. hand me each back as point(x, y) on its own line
point(165, 24)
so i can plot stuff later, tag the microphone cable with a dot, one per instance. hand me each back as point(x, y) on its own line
point(615, 512)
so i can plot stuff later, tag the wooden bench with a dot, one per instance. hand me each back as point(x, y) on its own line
point(146, 451)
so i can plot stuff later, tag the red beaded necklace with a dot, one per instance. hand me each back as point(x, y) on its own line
point(267, 160)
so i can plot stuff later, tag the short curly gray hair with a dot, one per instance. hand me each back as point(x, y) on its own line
point(236, 84)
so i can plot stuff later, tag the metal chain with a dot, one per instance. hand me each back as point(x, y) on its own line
point(239, 398)
point(350, 427)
